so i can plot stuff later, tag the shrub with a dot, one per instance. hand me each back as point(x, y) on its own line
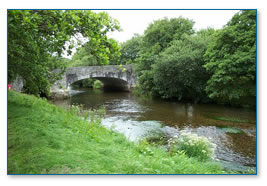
point(192, 145)
point(88, 83)
point(97, 84)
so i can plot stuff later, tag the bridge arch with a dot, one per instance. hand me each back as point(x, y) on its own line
point(111, 83)
point(112, 76)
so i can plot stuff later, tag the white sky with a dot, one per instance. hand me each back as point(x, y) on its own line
point(136, 21)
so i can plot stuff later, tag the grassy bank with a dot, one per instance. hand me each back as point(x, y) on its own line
point(46, 139)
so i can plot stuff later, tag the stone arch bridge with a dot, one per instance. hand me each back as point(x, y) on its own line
point(112, 76)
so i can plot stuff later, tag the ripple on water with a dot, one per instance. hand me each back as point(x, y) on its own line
point(75, 92)
point(133, 130)
point(125, 106)
point(137, 118)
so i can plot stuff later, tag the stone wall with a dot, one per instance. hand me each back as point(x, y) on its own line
point(17, 84)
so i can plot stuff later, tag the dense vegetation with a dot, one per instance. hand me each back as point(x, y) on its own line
point(65, 143)
point(36, 36)
point(172, 60)
point(130, 50)
point(85, 56)
point(231, 59)
point(175, 62)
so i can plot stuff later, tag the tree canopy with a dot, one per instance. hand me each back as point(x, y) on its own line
point(158, 37)
point(36, 35)
point(176, 62)
point(179, 72)
point(231, 58)
point(130, 50)
point(161, 32)
point(85, 55)
point(172, 60)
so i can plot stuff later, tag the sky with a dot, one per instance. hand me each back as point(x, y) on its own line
point(136, 21)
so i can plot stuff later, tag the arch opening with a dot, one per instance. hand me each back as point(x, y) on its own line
point(109, 83)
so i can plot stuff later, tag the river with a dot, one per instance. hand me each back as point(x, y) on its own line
point(233, 130)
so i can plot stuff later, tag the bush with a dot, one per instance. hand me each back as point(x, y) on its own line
point(88, 83)
point(97, 84)
point(192, 145)
point(179, 73)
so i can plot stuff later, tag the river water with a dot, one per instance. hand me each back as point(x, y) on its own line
point(233, 130)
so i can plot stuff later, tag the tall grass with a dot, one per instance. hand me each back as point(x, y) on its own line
point(46, 139)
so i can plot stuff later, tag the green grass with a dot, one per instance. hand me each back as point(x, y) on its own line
point(46, 139)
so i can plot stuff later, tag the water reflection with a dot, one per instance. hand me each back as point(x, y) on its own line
point(136, 118)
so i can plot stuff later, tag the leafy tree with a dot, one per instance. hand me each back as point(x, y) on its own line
point(231, 58)
point(157, 37)
point(160, 33)
point(82, 58)
point(36, 35)
point(111, 53)
point(130, 50)
point(85, 55)
point(179, 72)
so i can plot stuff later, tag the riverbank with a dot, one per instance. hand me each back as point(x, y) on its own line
point(46, 139)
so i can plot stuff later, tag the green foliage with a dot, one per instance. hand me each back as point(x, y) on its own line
point(192, 145)
point(87, 56)
point(45, 139)
point(82, 58)
point(111, 52)
point(76, 109)
point(160, 33)
point(85, 83)
point(145, 148)
point(97, 84)
point(145, 84)
point(231, 58)
point(179, 72)
point(121, 68)
point(157, 37)
point(130, 50)
point(88, 83)
point(219, 66)
point(36, 35)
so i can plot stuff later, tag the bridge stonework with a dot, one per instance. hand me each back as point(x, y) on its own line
point(112, 76)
